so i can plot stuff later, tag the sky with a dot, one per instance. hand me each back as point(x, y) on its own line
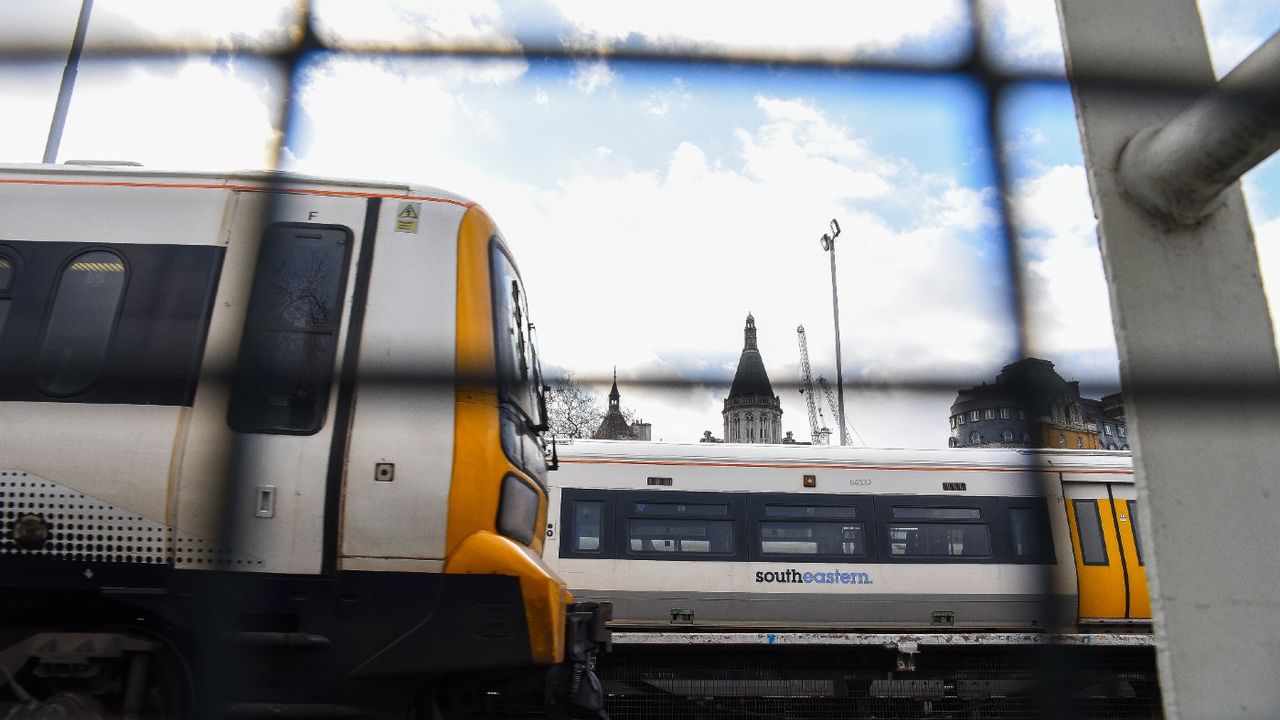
point(652, 205)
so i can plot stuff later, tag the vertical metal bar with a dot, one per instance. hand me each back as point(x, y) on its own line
point(68, 84)
point(1198, 365)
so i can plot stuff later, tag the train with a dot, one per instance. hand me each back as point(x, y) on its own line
point(272, 447)
point(886, 576)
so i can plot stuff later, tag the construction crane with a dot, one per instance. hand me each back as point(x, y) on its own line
point(849, 430)
point(818, 435)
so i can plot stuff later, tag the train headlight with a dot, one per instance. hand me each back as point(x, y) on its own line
point(518, 510)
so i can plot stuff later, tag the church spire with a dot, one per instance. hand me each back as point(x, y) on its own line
point(749, 334)
point(614, 395)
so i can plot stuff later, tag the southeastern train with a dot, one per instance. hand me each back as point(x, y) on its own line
point(827, 573)
point(271, 448)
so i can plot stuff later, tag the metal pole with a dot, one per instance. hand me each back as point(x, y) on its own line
point(829, 244)
point(1177, 171)
point(68, 84)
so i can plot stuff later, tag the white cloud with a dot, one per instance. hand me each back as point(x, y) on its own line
point(540, 97)
point(800, 27)
point(1023, 34)
point(1068, 305)
point(408, 24)
point(190, 114)
point(430, 113)
point(591, 76)
point(654, 270)
point(662, 103)
point(1235, 29)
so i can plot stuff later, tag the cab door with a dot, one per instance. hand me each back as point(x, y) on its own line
point(1110, 571)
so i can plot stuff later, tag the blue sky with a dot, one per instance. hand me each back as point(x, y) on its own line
point(652, 205)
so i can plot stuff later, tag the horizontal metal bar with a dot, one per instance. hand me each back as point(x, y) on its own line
point(1177, 172)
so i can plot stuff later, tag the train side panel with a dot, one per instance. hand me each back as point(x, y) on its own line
point(400, 460)
point(890, 589)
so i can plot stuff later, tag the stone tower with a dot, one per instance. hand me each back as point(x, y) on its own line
point(752, 413)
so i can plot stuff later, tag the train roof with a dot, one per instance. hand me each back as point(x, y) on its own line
point(123, 174)
point(819, 455)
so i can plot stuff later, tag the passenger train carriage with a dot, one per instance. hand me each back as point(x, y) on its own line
point(271, 445)
point(793, 581)
point(786, 538)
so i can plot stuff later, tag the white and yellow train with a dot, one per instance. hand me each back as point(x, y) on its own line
point(277, 436)
point(793, 538)
point(790, 581)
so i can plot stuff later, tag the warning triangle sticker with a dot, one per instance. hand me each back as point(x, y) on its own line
point(408, 212)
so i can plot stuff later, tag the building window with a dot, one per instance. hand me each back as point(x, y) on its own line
point(1062, 440)
point(975, 437)
point(1079, 442)
point(974, 416)
point(81, 322)
point(1121, 429)
point(1004, 413)
point(990, 414)
point(1026, 436)
point(952, 442)
point(1108, 429)
point(961, 418)
point(1008, 435)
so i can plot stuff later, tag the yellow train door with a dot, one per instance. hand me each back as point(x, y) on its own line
point(1110, 568)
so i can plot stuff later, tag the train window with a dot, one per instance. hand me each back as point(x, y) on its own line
point(588, 525)
point(936, 513)
point(939, 540)
point(812, 538)
point(290, 338)
point(683, 509)
point(1028, 533)
point(695, 537)
point(838, 512)
point(1093, 550)
point(1131, 509)
point(81, 322)
point(517, 371)
point(7, 272)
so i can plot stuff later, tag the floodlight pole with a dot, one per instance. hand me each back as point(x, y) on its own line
point(68, 83)
point(829, 244)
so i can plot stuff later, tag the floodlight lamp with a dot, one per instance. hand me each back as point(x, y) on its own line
point(826, 242)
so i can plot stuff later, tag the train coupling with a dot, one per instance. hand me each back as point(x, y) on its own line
point(573, 689)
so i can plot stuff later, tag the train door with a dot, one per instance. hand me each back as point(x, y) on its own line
point(1109, 568)
point(278, 333)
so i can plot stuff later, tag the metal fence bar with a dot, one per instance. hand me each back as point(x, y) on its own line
point(1179, 170)
point(1189, 305)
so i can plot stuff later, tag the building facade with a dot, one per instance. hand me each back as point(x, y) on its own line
point(752, 413)
point(1031, 405)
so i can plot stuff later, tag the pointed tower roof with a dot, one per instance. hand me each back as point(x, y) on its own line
point(751, 378)
point(614, 395)
point(614, 426)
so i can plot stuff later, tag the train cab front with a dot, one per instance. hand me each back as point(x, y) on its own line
point(498, 501)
